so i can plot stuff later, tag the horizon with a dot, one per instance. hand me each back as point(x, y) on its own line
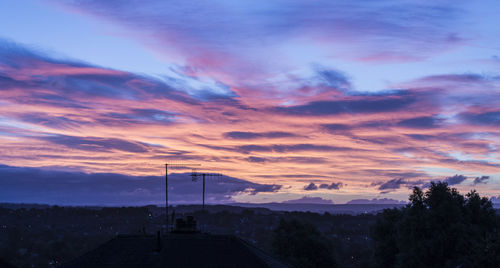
point(291, 101)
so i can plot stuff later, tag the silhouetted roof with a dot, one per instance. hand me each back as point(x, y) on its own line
point(178, 250)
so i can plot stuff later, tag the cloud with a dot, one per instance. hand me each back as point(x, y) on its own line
point(239, 135)
point(461, 78)
point(420, 122)
point(456, 179)
point(75, 114)
point(69, 80)
point(332, 186)
point(482, 179)
point(97, 144)
point(399, 173)
point(131, 117)
point(294, 176)
point(358, 105)
point(36, 185)
point(262, 188)
point(333, 78)
point(311, 187)
point(309, 200)
point(336, 128)
point(452, 180)
point(495, 199)
point(221, 37)
point(421, 137)
point(146, 115)
point(56, 122)
point(487, 118)
point(375, 201)
point(392, 184)
point(256, 159)
point(282, 148)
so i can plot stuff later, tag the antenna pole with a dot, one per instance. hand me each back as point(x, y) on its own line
point(166, 188)
point(166, 196)
point(203, 206)
point(203, 175)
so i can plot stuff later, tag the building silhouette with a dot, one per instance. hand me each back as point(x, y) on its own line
point(185, 246)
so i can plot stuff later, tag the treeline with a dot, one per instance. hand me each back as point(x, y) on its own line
point(438, 228)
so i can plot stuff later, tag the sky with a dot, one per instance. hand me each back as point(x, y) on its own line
point(328, 101)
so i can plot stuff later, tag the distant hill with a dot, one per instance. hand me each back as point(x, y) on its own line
point(22, 205)
point(376, 201)
point(352, 209)
point(214, 209)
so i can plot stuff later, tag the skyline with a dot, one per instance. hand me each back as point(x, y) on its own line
point(357, 100)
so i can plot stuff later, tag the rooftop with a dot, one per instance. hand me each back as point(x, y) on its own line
point(176, 250)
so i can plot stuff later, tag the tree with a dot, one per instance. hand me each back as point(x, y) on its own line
point(302, 245)
point(438, 228)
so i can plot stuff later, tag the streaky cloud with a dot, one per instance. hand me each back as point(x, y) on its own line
point(357, 105)
point(97, 144)
point(486, 118)
point(311, 187)
point(242, 135)
point(456, 179)
point(332, 186)
point(281, 148)
point(424, 122)
point(482, 179)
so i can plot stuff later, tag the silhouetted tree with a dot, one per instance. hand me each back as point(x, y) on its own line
point(302, 245)
point(438, 228)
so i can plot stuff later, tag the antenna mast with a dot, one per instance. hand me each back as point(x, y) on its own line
point(195, 176)
point(166, 187)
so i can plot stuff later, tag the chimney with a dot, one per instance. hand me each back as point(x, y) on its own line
point(185, 226)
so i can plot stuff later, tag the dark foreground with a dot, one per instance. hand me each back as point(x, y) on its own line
point(437, 228)
point(50, 236)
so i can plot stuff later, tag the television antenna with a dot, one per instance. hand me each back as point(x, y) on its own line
point(166, 185)
point(195, 175)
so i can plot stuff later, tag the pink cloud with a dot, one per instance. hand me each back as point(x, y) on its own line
point(101, 120)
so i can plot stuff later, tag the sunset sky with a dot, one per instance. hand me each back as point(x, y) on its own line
point(337, 100)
